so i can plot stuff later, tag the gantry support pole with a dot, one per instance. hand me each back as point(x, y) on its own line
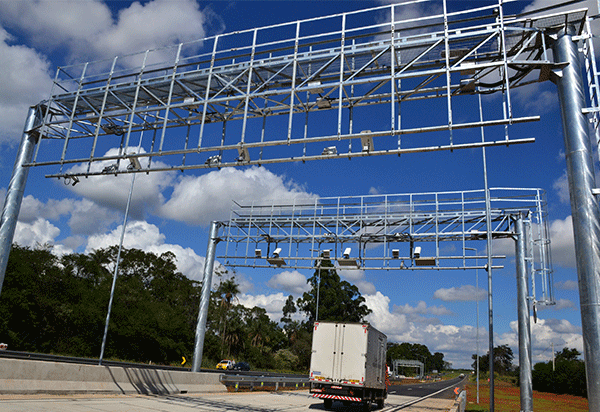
point(584, 204)
point(209, 263)
point(525, 380)
point(16, 187)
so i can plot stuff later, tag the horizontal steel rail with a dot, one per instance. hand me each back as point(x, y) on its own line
point(383, 232)
point(253, 382)
point(183, 97)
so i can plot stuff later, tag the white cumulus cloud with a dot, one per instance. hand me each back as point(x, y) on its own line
point(395, 325)
point(273, 304)
point(544, 333)
point(112, 191)
point(84, 216)
point(567, 285)
point(562, 242)
point(84, 31)
point(464, 293)
point(25, 79)
point(457, 343)
point(561, 186)
point(560, 304)
point(421, 313)
point(90, 31)
point(423, 309)
point(289, 281)
point(357, 278)
point(147, 237)
point(35, 233)
point(198, 200)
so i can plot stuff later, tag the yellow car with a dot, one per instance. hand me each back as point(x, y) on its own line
point(225, 364)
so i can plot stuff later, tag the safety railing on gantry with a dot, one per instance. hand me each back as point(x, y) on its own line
point(301, 91)
point(593, 81)
point(390, 232)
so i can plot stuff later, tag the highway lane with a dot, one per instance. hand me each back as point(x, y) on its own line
point(425, 389)
point(216, 402)
point(225, 401)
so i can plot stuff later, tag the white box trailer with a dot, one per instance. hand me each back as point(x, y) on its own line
point(348, 364)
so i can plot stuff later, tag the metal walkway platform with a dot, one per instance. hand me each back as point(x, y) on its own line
point(416, 231)
point(301, 91)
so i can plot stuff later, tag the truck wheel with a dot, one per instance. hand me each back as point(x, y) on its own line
point(328, 404)
point(367, 406)
point(380, 403)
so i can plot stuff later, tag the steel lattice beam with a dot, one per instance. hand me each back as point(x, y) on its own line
point(336, 64)
point(382, 230)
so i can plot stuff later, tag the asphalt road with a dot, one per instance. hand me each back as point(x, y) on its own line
point(424, 389)
point(299, 401)
point(227, 401)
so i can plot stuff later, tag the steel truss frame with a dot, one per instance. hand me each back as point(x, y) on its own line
point(592, 78)
point(259, 96)
point(293, 72)
point(382, 232)
point(401, 363)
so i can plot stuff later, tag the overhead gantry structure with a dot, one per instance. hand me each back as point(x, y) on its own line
point(273, 86)
point(319, 89)
point(387, 232)
point(395, 233)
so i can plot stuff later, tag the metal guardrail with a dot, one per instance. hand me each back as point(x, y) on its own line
point(265, 383)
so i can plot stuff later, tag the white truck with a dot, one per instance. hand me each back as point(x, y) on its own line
point(348, 364)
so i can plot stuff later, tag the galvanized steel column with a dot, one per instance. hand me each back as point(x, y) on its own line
point(16, 188)
point(205, 299)
point(526, 384)
point(584, 205)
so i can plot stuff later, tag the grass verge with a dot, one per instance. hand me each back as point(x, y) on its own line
point(507, 399)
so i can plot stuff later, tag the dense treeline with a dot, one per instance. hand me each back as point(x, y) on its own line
point(58, 305)
point(565, 376)
point(503, 361)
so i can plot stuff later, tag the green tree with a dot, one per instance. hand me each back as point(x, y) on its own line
point(301, 346)
point(339, 301)
point(288, 310)
point(286, 360)
point(36, 305)
point(89, 289)
point(58, 305)
point(437, 361)
point(566, 376)
point(417, 352)
point(154, 308)
point(227, 291)
point(503, 357)
point(299, 339)
point(265, 338)
point(568, 354)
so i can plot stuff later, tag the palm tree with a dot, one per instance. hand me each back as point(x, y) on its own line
point(226, 292)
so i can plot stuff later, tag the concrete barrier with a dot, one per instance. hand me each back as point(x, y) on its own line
point(28, 376)
point(460, 404)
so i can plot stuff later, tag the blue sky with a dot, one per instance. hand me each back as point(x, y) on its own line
point(171, 211)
